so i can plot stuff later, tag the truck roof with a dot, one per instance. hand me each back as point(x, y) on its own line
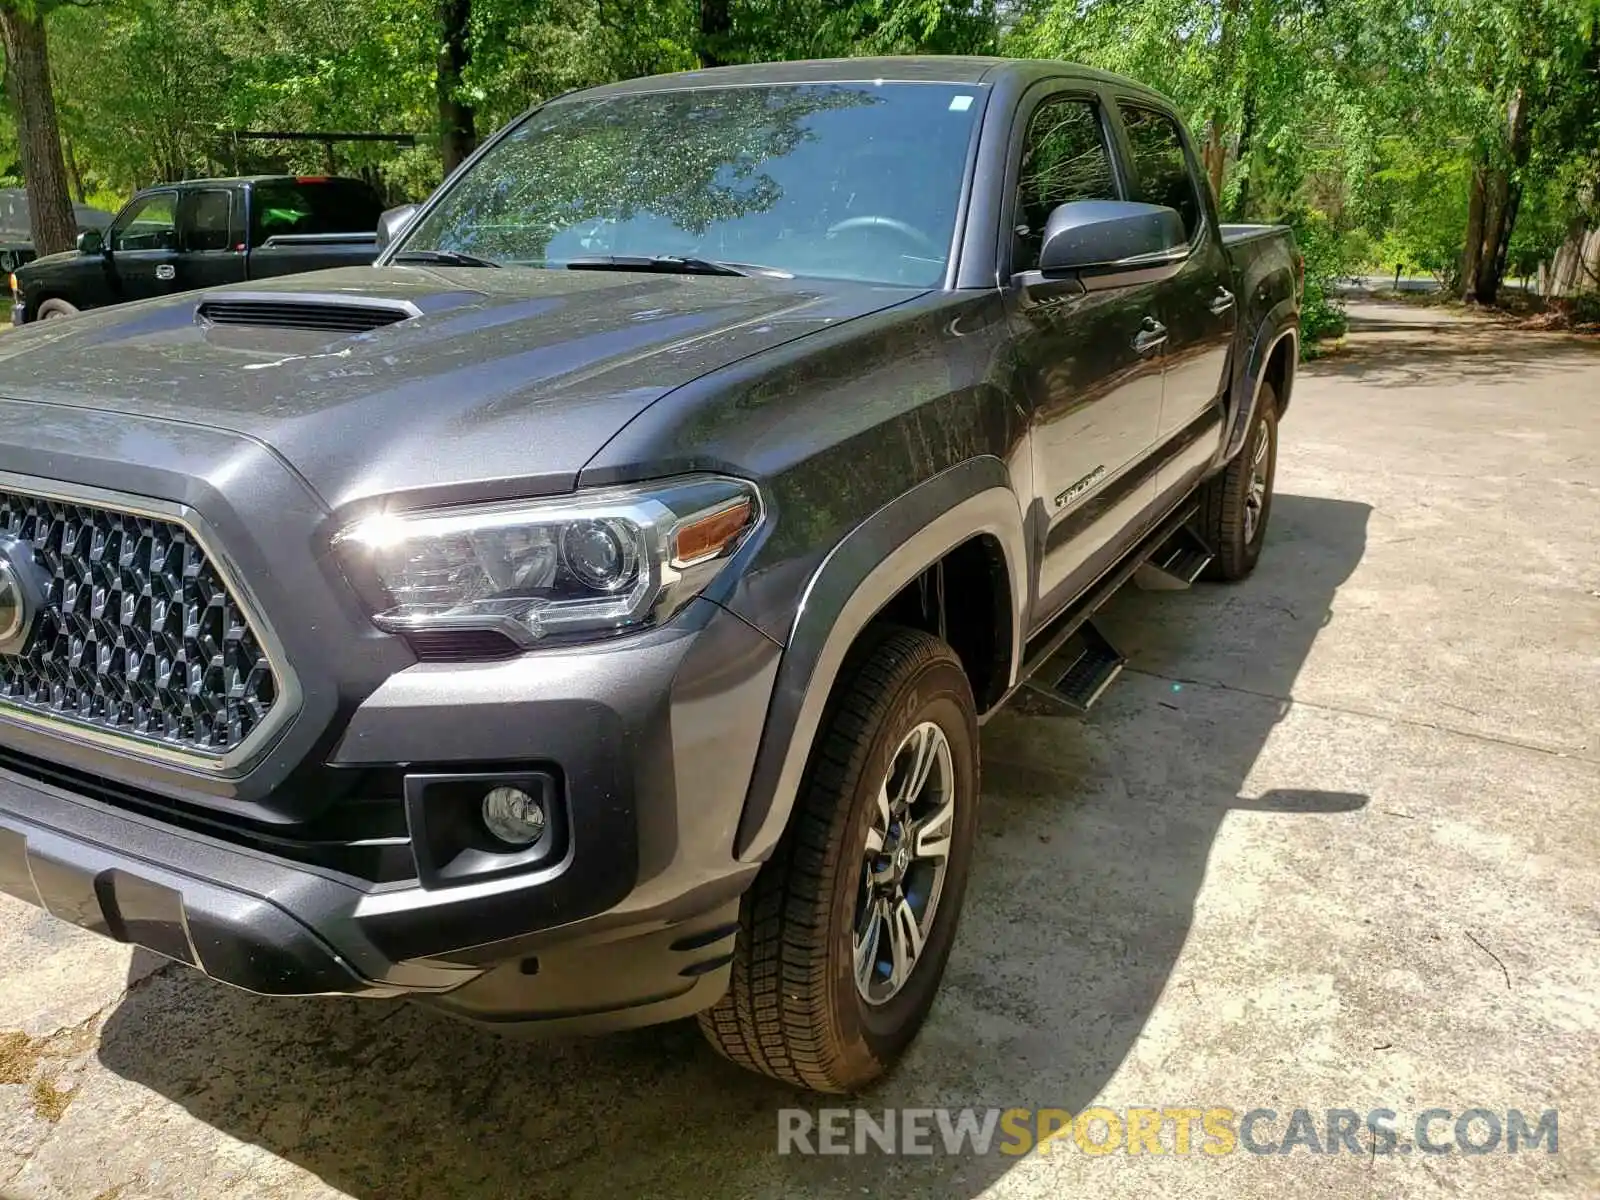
point(927, 68)
point(227, 180)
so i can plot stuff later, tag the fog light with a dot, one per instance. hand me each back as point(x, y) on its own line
point(513, 816)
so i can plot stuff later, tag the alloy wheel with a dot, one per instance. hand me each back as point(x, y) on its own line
point(904, 862)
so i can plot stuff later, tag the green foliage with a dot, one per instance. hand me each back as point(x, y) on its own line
point(1327, 257)
point(1361, 123)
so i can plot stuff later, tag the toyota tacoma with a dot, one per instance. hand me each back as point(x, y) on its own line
point(584, 616)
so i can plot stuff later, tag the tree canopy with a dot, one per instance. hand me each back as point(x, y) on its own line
point(1458, 137)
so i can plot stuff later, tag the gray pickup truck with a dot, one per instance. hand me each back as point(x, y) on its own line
point(584, 617)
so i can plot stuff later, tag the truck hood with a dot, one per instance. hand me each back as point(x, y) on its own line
point(507, 383)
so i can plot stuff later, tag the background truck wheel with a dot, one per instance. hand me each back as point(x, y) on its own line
point(1235, 506)
point(844, 936)
point(56, 308)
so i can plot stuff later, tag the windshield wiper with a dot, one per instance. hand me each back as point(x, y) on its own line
point(668, 264)
point(452, 258)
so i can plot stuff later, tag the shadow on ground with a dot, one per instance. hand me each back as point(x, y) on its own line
point(1095, 842)
point(1426, 347)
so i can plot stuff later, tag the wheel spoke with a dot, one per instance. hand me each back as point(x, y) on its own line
point(879, 830)
point(930, 741)
point(905, 942)
point(932, 837)
point(866, 946)
point(1262, 441)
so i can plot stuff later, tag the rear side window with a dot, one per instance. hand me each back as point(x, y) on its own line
point(293, 206)
point(211, 220)
point(1161, 165)
point(149, 224)
point(1064, 158)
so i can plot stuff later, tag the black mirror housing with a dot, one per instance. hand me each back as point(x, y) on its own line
point(91, 241)
point(392, 222)
point(1103, 234)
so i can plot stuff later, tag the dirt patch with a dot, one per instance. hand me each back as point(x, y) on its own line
point(19, 1055)
point(49, 1101)
point(22, 1056)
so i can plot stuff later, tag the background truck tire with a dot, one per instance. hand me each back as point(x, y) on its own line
point(1231, 521)
point(794, 1009)
point(56, 308)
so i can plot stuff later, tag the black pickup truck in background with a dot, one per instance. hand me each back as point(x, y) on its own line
point(203, 233)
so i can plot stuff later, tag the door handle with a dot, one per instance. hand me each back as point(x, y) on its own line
point(1223, 301)
point(166, 271)
point(1151, 336)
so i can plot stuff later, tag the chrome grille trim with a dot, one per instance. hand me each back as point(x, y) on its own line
point(286, 706)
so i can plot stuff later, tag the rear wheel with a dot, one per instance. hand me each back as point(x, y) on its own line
point(1235, 506)
point(844, 936)
point(53, 309)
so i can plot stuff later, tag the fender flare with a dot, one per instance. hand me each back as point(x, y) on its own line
point(1283, 321)
point(860, 575)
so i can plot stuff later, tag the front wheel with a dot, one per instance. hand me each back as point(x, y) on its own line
point(1235, 505)
point(52, 310)
point(844, 936)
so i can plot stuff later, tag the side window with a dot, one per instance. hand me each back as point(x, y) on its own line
point(1064, 158)
point(276, 208)
point(1161, 165)
point(211, 220)
point(151, 224)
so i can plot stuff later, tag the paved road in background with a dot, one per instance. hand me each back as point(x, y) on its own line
point(1331, 842)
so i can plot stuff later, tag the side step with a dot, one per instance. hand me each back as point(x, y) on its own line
point(1176, 564)
point(1088, 663)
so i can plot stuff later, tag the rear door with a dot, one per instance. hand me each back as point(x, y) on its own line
point(211, 228)
point(143, 244)
point(1195, 305)
point(1094, 395)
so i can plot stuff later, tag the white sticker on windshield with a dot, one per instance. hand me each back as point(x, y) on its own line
point(960, 103)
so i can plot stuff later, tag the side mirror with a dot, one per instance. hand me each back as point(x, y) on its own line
point(91, 241)
point(392, 222)
point(1105, 233)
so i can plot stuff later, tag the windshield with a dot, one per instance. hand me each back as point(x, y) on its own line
point(849, 181)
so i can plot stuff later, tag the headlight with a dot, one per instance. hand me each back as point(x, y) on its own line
point(600, 562)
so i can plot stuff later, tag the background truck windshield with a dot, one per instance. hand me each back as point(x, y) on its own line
point(852, 181)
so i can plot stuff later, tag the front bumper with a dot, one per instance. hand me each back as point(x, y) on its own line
point(19, 313)
point(653, 738)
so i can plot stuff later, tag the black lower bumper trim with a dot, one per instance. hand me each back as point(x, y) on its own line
point(240, 939)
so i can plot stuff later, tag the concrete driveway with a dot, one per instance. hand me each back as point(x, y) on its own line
point(1331, 843)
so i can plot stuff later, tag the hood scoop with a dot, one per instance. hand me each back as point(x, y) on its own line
point(308, 311)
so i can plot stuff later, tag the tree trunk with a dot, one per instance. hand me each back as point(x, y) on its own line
point(716, 23)
point(38, 139)
point(1502, 197)
point(1472, 246)
point(1215, 156)
point(73, 173)
point(458, 133)
point(1247, 129)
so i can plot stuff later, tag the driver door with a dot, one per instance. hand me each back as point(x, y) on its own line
point(1092, 384)
point(143, 247)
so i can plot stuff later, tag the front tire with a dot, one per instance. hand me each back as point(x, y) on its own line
point(844, 936)
point(52, 310)
point(1235, 505)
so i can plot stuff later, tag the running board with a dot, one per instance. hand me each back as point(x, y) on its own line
point(1088, 663)
point(1176, 564)
point(1060, 632)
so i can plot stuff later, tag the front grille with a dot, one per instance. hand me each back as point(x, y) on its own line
point(137, 633)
